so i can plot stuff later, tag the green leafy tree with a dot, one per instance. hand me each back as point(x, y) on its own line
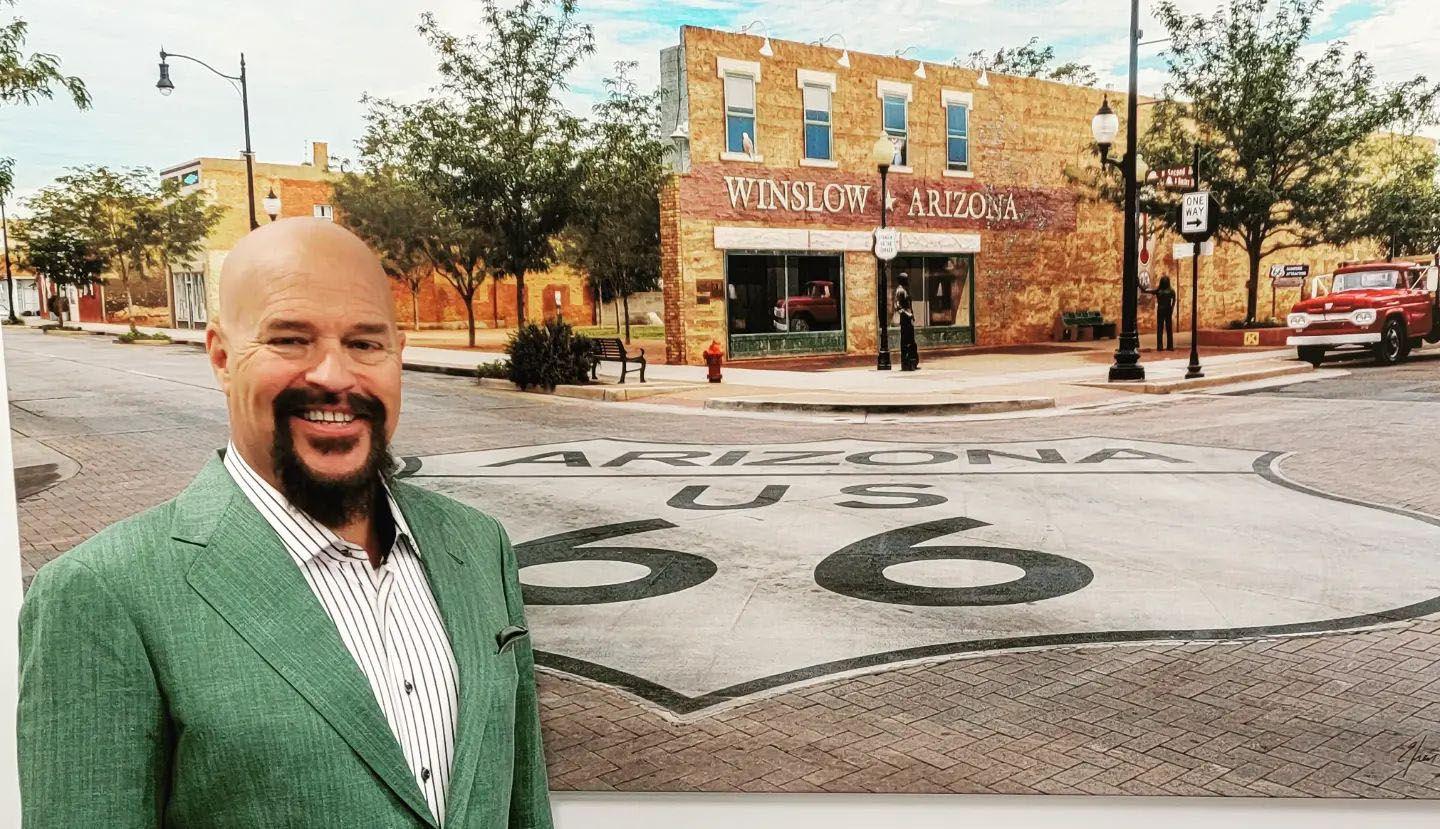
point(1030, 60)
point(1399, 206)
point(1281, 127)
point(507, 150)
point(615, 233)
point(110, 211)
point(25, 79)
point(396, 218)
point(400, 143)
point(172, 225)
point(61, 257)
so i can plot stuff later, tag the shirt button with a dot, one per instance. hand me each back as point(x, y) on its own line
point(409, 687)
point(424, 775)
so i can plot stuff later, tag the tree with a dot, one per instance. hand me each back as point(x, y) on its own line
point(173, 226)
point(108, 210)
point(395, 218)
point(511, 155)
point(1281, 135)
point(400, 143)
point(1030, 61)
point(25, 79)
point(616, 231)
point(1399, 206)
point(64, 259)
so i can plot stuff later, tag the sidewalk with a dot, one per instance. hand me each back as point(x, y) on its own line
point(1013, 379)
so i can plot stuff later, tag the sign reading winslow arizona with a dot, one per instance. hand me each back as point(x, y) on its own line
point(694, 576)
point(787, 197)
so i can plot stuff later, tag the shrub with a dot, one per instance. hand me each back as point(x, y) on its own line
point(548, 355)
point(500, 370)
point(132, 336)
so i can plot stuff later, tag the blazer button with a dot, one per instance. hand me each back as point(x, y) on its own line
point(424, 775)
point(409, 687)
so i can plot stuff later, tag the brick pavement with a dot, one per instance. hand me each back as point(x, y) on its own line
point(1348, 715)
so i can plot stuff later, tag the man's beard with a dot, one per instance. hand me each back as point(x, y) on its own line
point(333, 502)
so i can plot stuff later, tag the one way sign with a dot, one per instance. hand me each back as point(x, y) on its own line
point(1197, 216)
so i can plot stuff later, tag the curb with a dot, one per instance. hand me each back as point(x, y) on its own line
point(927, 407)
point(603, 393)
point(453, 371)
point(1171, 386)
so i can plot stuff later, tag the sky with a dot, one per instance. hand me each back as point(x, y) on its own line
point(311, 61)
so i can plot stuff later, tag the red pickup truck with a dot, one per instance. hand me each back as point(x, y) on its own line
point(815, 308)
point(1386, 307)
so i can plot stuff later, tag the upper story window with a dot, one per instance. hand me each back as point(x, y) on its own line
point(324, 211)
point(895, 119)
point(895, 127)
point(817, 122)
point(957, 131)
point(817, 95)
point(740, 114)
point(741, 78)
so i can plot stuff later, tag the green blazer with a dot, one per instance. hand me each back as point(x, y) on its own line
point(177, 671)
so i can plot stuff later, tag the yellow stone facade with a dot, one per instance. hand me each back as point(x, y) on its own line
point(1050, 249)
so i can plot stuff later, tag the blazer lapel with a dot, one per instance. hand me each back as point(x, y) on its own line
point(456, 594)
point(249, 578)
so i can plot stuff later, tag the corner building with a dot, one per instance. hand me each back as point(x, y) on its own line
point(766, 224)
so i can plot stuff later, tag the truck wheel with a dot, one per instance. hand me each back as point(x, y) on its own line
point(1312, 354)
point(799, 324)
point(1392, 346)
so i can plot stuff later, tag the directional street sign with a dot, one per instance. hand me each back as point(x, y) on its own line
point(887, 243)
point(1197, 216)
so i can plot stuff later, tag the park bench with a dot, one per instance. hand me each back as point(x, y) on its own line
point(612, 350)
point(1071, 323)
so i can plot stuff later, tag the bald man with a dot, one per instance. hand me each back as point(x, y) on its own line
point(297, 640)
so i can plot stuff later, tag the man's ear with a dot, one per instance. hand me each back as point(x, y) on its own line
point(219, 354)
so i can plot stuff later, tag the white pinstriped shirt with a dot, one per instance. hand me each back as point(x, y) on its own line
point(387, 619)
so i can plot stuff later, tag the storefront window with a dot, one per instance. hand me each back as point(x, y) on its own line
point(940, 288)
point(784, 294)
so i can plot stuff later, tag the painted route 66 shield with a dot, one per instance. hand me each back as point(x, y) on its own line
point(693, 575)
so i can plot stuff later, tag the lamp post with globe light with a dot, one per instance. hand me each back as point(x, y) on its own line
point(166, 86)
point(1104, 127)
point(883, 154)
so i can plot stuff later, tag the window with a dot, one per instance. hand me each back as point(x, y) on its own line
point(740, 114)
point(894, 112)
point(773, 294)
point(957, 136)
point(817, 122)
point(324, 211)
point(940, 288)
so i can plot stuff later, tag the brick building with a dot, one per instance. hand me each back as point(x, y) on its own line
point(306, 189)
point(766, 226)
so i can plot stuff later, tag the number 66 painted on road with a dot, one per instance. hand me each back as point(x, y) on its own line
point(857, 570)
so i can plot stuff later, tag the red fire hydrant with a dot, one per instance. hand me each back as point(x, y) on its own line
point(713, 358)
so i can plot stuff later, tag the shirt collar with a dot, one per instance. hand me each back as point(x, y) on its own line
point(302, 535)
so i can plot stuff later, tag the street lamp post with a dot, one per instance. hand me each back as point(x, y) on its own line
point(883, 154)
point(166, 87)
point(1105, 126)
point(9, 279)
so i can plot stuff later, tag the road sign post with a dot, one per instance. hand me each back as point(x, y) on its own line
point(1198, 213)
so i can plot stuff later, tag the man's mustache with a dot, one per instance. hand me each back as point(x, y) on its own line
point(295, 401)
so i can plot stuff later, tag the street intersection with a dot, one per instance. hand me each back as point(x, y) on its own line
point(1204, 593)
